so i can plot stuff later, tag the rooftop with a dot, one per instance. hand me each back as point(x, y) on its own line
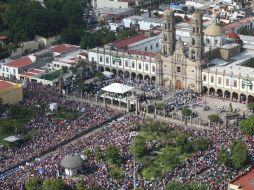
point(64, 48)
point(33, 72)
point(234, 65)
point(246, 182)
point(21, 62)
point(121, 44)
point(237, 24)
point(5, 84)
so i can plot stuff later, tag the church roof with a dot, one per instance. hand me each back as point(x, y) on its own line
point(214, 30)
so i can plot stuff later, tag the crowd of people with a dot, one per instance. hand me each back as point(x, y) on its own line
point(201, 167)
point(50, 132)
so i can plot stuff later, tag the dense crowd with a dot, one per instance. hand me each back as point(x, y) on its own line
point(51, 132)
point(202, 167)
point(181, 99)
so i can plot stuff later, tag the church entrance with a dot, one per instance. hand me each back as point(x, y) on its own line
point(178, 84)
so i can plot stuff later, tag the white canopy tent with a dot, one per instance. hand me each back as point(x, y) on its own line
point(117, 88)
point(107, 73)
point(12, 139)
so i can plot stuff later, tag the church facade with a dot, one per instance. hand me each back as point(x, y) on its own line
point(179, 67)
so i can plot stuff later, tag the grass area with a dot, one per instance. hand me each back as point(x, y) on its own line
point(164, 149)
point(62, 113)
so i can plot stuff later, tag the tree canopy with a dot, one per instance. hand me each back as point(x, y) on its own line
point(247, 125)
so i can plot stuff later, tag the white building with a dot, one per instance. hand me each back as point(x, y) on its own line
point(98, 4)
point(130, 63)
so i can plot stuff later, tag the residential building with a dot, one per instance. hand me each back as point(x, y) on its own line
point(10, 93)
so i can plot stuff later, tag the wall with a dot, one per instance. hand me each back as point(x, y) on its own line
point(12, 95)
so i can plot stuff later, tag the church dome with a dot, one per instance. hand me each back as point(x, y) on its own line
point(214, 30)
point(168, 13)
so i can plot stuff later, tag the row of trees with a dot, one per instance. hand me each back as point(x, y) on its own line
point(236, 156)
point(22, 20)
point(56, 184)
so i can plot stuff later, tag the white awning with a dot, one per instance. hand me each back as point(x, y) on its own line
point(12, 138)
point(117, 88)
point(107, 73)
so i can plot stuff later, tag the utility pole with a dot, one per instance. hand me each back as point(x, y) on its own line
point(134, 167)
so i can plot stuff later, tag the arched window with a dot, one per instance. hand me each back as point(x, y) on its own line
point(207, 41)
point(193, 29)
point(165, 26)
point(165, 37)
point(197, 29)
point(193, 54)
point(168, 25)
point(193, 41)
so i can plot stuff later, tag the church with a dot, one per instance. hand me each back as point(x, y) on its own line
point(180, 67)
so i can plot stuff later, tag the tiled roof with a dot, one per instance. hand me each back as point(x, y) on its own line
point(3, 37)
point(246, 182)
point(21, 62)
point(144, 53)
point(4, 84)
point(64, 48)
point(239, 23)
point(33, 72)
point(121, 44)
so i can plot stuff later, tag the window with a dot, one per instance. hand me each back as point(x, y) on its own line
point(7, 70)
point(178, 69)
point(169, 26)
point(120, 63)
point(204, 78)
point(126, 63)
point(151, 46)
point(100, 58)
point(193, 29)
point(215, 42)
point(212, 79)
point(157, 44)
point(165, 37)
point(145, 48)
point(153, 68)
point(235, 83)
point(3, 68)
point(146, 67)
point(14, 71)
point(165, 26)
point(139, 66)
point(243, 86)
point(193, 54)
point(197, 29)
point(227, 81)
point(207, 41)
point(92, 59)
point(219, 80)
point(133, 64)
point(251, 87)
point(107, 60)
point(193, 41)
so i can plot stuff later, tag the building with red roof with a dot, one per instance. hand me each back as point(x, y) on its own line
point(64, 48)
point(243, 182)
point(247, 23)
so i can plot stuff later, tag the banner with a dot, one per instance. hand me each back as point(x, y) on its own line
point(247, 82)
point(116, 60)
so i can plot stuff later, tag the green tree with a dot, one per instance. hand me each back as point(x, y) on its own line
point(98, 153)
point(251, 106)
point(72, 35)
point(200, 144)
point(247, 125)
point(186, 112)
point(239, 155)
point(214, 118)
point(183, 143)
point(56, 184)
point(82, 87)
point(180, 186)
point(112, 154)
point(223, 157)
point(139, 146)
point(116, 173)
point(33, 184)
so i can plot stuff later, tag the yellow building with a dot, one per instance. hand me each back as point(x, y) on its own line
point(10, 93)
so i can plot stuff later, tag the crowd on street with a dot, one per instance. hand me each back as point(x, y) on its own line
point(51, 132)
point(201, 167)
